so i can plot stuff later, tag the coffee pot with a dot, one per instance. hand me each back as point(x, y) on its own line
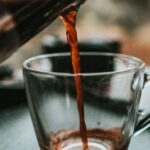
point(20, 20)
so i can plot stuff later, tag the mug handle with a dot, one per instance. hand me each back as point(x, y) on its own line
point(144, 115)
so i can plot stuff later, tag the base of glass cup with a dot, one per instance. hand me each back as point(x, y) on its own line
point(98, 139)
point(92, 146)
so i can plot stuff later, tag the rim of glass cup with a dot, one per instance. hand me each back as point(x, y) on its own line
point(140, 64)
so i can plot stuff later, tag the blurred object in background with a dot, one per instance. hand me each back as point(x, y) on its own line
point(52, 44)
point(5, 71)
point(11, 87)
point(11, 80)
point(126, 20)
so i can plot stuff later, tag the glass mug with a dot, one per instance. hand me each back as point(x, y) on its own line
point(111, 86)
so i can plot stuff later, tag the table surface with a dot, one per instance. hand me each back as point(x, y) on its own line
point(16, 130)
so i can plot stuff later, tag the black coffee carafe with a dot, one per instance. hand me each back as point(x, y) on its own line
point(20, 20)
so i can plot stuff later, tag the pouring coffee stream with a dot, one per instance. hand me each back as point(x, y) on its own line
point(69, 20)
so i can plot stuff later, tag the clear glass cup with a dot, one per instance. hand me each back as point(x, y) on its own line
point(111, 86)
